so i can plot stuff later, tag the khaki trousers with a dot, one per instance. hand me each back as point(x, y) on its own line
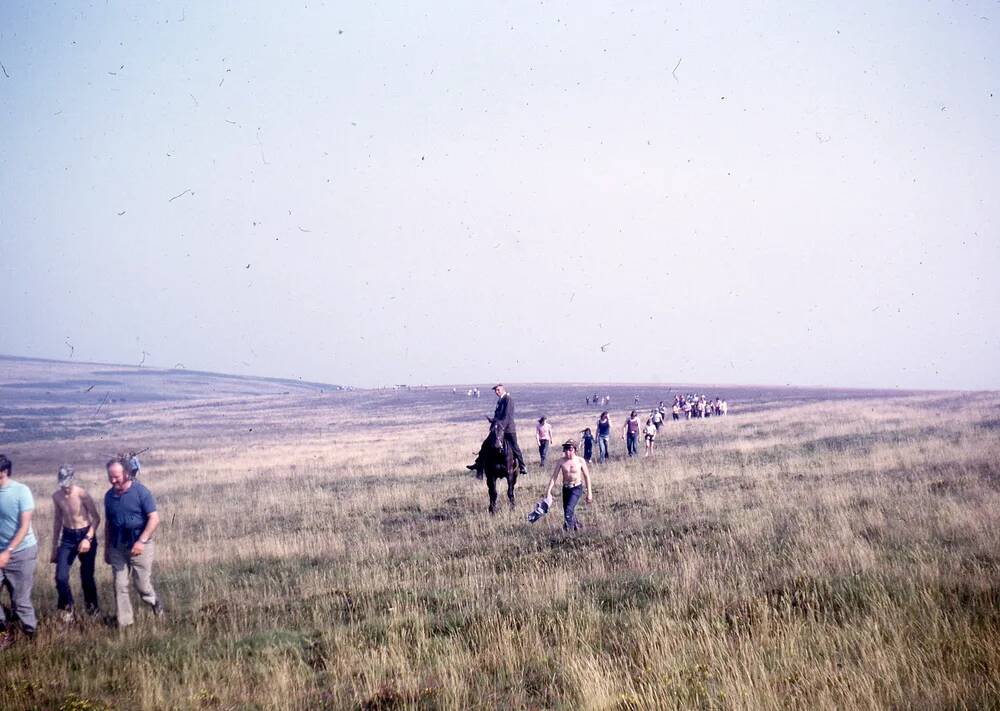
point(18, 577)
point(140, 569)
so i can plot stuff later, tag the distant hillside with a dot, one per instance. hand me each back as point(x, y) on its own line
point(48, 400)
point(35, 380)
point(53, 411)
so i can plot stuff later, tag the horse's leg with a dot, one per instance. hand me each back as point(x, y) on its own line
point(491, 484)
point(512, 470)
point(479, 465)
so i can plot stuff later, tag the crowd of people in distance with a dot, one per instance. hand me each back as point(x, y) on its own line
point(688, 406)
point(130, 520)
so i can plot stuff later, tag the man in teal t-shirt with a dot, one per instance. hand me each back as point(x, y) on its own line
point(18, 552)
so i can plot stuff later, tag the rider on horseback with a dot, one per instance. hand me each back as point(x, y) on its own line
point(503, 417)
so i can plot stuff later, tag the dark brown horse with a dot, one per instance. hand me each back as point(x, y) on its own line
point(495, 461)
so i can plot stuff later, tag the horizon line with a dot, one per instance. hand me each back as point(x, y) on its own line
point(575, 383)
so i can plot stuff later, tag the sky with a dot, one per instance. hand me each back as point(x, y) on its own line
point(453, 192)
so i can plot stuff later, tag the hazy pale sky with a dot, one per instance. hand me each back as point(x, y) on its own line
point(766, 192)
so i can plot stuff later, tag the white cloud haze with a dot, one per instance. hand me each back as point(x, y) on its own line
point(446, 193)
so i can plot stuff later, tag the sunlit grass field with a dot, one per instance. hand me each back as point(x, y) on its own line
point(827, 554)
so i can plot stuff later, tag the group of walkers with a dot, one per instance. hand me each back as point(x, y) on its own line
point(572, 468)
point(130, 518)
point(688, 406)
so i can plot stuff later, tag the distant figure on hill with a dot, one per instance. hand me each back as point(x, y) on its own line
point(130, 521)
point(575, 476)
point(18, 554)
point(630, 433)
point(75, 522)
point(603, 436)
point(675, 411)
point(543, 436)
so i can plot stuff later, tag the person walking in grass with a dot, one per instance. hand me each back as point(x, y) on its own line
point(650, 431)
point(74, 529)
point(575, 483)
point(657, 416)
point(588, 445)
point(543, 436)
point(131, 519)
point(18, 554)
point(603, 436)
point(630, 433)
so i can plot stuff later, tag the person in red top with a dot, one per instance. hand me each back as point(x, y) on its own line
point(630, 433)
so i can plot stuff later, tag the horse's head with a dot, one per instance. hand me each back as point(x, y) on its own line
point(496, 435)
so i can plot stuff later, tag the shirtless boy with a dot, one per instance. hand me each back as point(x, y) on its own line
point(74, 531)
point(575, 476)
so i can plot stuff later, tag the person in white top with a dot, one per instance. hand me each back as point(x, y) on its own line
point(650, 431)
point(543, 436)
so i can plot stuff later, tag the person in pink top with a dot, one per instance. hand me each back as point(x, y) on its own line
point(543, 436)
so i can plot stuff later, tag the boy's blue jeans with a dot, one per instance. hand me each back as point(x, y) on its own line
point(571, 497)
point(68, 551)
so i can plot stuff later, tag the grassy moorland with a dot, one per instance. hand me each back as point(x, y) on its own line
point(328, 550)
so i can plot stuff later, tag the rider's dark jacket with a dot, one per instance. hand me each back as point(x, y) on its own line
point(504, 414)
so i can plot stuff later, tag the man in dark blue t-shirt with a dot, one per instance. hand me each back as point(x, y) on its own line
point(131, 518)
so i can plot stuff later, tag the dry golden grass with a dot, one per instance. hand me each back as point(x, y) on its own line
point(826, 555)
